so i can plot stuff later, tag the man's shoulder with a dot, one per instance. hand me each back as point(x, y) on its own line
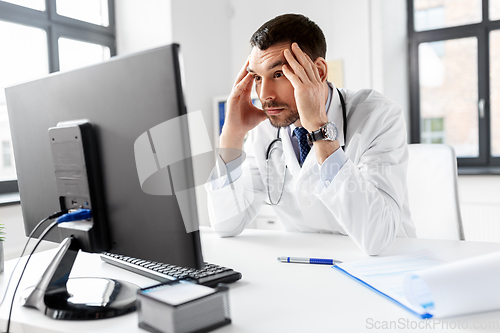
point(371, 113)
point(370, 103)
point(368, 96)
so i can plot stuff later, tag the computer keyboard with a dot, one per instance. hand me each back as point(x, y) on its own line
point(210, 275)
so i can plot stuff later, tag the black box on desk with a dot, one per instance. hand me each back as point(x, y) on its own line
point(182, 307)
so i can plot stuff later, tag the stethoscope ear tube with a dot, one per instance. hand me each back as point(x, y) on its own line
point(344, 117)
point(269, 148)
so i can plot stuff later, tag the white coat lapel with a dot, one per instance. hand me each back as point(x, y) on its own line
point(290, 158)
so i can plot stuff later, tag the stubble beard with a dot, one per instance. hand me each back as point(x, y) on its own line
point(287, 117)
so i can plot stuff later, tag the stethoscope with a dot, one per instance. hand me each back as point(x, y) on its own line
point(273, 146)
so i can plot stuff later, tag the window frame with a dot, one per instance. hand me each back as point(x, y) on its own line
point(484, 163)
point(56, 26)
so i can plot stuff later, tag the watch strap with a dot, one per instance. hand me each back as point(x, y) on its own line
point(319, 134)
point(316, 135)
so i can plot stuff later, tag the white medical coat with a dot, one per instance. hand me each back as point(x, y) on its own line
point(366, 200)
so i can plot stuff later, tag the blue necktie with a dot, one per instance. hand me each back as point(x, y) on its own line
point(301, 134)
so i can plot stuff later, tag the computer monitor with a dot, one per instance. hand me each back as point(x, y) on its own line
point(122, 99)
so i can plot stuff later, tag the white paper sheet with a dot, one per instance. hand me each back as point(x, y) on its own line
point(461, 287)
point(179, 293)
point(387, 274)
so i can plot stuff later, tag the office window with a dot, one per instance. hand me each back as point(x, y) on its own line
point(436, 14)
point(38, 37)
point(34, 4)
point(23, 57)
point(74, 54)
point(448, 91)
point(455, 78)
point(495, 92)
point(92, 11)
point(494, 10)
point(6, 154)
point(433, 130)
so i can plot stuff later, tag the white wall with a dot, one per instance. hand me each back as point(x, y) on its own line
point(202, 29)
point(390, 49)
point(480, 205)
point(346, 38)
point(142, 25)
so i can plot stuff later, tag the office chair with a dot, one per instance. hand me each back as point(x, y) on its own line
point(433, 191)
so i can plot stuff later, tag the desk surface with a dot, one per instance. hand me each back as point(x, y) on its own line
point(272, 296)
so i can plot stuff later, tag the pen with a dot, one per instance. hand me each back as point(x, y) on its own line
point(297, 260)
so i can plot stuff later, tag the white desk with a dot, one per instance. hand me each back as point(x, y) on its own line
point(272, 296)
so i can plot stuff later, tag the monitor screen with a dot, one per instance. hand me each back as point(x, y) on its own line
point(123, 99)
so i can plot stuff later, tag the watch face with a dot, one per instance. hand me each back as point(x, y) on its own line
point(331, 131)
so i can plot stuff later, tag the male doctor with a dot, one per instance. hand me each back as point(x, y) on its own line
point(328, 160)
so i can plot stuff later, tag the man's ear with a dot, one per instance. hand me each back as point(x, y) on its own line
point(322, 68)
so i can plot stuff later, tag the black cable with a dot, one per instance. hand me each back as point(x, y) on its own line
point(51, 217)
point(42, 236)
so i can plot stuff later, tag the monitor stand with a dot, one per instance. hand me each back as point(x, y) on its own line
point(59, 297)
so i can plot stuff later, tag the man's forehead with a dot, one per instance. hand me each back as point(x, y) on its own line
point(268, 59)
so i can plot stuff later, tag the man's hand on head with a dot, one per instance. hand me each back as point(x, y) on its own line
point(309, 81)
point(241, 114)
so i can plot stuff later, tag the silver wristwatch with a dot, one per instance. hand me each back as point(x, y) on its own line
point(326, 132)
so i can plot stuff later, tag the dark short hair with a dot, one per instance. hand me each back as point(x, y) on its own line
point(291, 28)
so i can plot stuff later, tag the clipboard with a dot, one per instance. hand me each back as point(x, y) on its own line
point(424, 315)
point(386, 276)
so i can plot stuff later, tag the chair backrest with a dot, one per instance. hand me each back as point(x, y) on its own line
point(433, 191)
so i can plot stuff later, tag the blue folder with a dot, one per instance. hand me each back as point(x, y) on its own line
point(420, 315)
